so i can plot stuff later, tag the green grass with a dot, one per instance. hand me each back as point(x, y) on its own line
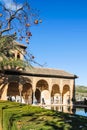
point(81, 89)
point(24, 117)
point(81, 92)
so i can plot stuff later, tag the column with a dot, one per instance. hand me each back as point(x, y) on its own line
point(50, 89)
point(34, 98)
point(4, 94)
point(20, 91)
point(61, 91)
point(72, 96)
point(33, 89)
point(61, 98)
point(1, 86)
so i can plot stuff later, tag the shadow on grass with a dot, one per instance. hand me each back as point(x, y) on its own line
point(35, 118)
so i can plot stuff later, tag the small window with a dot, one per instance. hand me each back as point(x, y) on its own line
point(13, 55)
point(18, 56)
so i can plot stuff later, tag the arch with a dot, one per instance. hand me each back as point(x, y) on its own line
point(66, 94)
point(66, 88)
point(43, 88)
point(27, 93)
point(13, 91)
point(55, 89)
point(55, 94)
point(42, 85)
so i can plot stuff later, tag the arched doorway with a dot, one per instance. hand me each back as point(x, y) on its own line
point(27, 93)
point(66, 94)
point(42, 86)
point(55, 94)
point(13, 91)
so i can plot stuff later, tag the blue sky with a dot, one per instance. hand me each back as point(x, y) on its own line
point(60, 40)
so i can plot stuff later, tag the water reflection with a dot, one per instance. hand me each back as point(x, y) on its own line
point(69, 109)
point(85, 109)
point(66, 109)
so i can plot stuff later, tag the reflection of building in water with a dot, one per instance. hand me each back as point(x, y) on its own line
point(85, 109)
point(57, 108)
point(34, 84)
point(64, 108)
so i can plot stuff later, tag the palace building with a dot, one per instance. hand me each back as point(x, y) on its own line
point(37, 85)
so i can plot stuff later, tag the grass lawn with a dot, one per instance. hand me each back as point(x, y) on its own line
point(15, 116)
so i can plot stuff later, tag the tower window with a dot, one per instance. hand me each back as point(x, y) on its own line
point(18, 56)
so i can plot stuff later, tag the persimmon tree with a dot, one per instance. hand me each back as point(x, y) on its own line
point(15, 22)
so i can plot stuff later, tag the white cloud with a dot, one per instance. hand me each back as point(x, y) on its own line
point(10, 4)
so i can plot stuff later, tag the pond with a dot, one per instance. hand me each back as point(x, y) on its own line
point(69, 109)
point(81, 111)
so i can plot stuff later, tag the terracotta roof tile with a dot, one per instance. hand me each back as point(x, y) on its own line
point(49, 71)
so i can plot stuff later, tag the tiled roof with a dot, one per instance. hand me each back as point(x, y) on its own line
point(19, 44)
point(50, 72)
point(42, 72)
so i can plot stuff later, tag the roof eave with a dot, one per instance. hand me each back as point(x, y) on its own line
point(15, 72)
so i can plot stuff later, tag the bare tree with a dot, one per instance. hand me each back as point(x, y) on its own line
point(15, 22)
point(17, 19)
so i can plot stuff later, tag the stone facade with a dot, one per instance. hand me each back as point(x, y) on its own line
point(35, 90)
point(37, 86)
